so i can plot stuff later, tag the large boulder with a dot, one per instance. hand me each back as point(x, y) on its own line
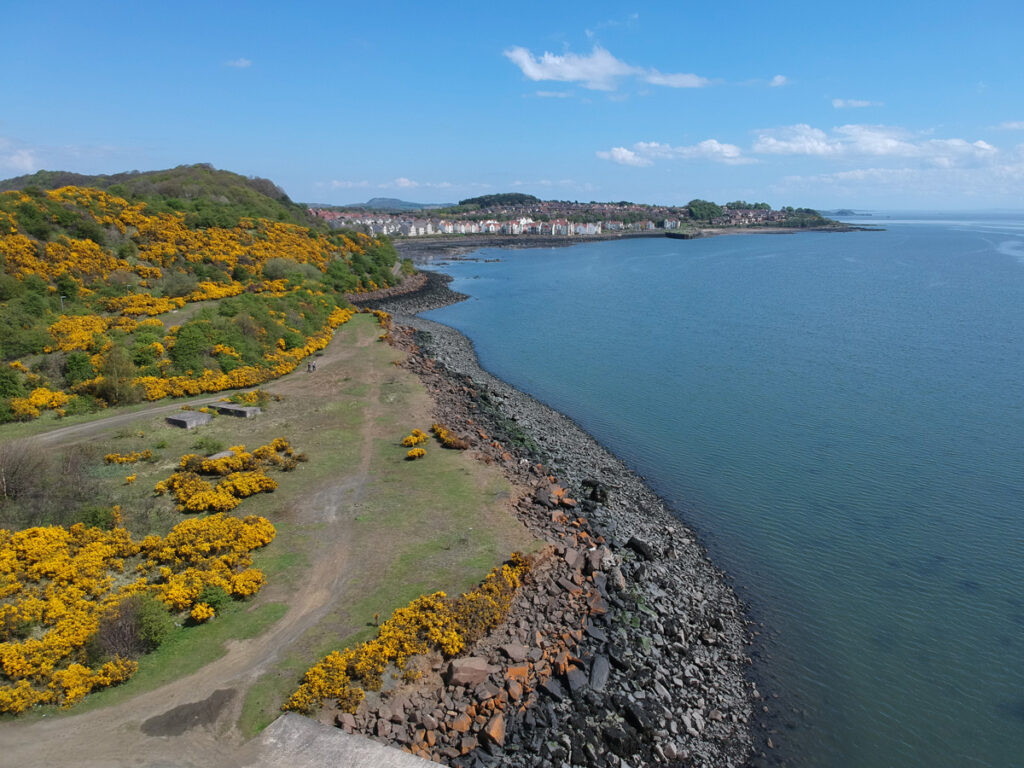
point(469, 671)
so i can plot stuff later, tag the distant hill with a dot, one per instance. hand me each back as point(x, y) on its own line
point(390, 204)
point(502, 199)
point(208, 197)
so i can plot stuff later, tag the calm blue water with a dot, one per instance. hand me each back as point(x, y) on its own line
point(841, 417)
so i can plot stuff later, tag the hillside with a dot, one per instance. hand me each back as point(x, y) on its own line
point(207, 196)
point(100, 295)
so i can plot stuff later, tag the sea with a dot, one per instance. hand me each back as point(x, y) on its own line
point(840, 418)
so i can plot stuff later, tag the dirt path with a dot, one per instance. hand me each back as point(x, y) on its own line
point(191, 721)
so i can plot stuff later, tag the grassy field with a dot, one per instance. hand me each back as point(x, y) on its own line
point(360, 530)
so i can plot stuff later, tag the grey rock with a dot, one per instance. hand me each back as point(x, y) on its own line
point(599, 670)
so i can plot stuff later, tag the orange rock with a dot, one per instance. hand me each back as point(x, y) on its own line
point(567, 502)
point(462, 723)
point(515, 690)
point(519, 672)
point(495, 729)
point(471, 710)
point(431, 738)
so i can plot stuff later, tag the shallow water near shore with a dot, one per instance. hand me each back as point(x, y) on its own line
point(841, 418)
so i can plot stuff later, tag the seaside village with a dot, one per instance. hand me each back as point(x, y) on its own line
point(407, 225)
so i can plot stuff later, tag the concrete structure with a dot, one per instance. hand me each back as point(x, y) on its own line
point(294, 741)
point(189, 419)
point(244, 411)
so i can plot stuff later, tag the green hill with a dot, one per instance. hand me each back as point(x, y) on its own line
point(208, 197)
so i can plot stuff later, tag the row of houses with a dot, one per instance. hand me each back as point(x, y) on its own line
point(745, 217)
point(386, 224)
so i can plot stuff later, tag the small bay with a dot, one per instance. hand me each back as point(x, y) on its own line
point(841, 419)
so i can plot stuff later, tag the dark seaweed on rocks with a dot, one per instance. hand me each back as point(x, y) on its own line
point(632, 645)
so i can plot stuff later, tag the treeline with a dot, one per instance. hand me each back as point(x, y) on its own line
point(502, 199)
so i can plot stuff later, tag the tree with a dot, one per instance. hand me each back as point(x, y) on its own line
point(10, 383)
point(66, 286)
point(702, 210)
point(118, 373)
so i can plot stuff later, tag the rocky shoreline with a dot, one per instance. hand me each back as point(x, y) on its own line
point(626, 647)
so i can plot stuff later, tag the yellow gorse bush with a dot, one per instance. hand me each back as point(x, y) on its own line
point(39, 399)
point(447, 438)
point(77, 332)
point(57, 582)
point(415, 438)
point(128, 458)
point(430, 622)
point(242, 474)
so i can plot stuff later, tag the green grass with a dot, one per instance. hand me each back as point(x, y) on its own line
point(426, 525)
point(189, 649)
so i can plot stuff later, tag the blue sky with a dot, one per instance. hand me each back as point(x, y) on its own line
point(872, 105)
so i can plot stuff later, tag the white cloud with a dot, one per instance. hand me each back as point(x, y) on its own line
point(798, 139)
point(338, 184)
point(946, 169)
point(875, 140)
point(777, 81)
point(18, 160)
point(709, 149)
point(1004, 180)
point(554, 94)
point(871, 141)
point(551, 183)
point(646, 152)
point(854, 103)
point(240, 63)
point(1011, 125)
point(18, 157)
point(654, 77)
point(598, 71)
point(624, 156)
point(405, 183)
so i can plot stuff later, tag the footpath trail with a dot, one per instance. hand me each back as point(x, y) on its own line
point(192, 721)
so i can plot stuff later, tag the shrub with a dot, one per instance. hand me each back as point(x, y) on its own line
point(95, 516)
point(448, 439)
point(415, 438)
point(201, 612)
point(136, 626)
point(208, 445)
point(215, 596)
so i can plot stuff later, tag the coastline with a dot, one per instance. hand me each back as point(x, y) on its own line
point(680, 689)
point(426, 249)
